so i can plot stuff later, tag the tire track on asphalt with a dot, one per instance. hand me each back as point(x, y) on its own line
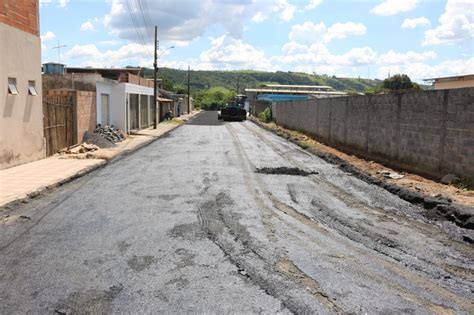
point(393, 267)
point(260, 266)
point(350, 201)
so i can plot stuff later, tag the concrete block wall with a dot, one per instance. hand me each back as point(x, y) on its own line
point(383, 131)
point(420, 129)
point(357, 122)
point(458, 153)
point(428, 132)
point(259, 106)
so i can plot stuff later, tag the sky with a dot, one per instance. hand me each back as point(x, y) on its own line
point(362, 38)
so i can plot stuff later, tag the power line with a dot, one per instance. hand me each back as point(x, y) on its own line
point(137, 29)
point(145, 16)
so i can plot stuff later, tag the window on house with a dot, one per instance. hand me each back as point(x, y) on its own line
point(32, 88)
point(12, 86)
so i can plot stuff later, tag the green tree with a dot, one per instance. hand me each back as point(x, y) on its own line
point(214, 98)
point(398, 82)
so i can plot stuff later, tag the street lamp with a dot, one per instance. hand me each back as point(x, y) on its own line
point(163, 51)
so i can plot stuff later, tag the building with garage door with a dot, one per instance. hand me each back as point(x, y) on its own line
point(124, 98)
point(21, 112)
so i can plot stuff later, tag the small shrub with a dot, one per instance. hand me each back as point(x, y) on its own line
point(464, 183)
point(266, 115)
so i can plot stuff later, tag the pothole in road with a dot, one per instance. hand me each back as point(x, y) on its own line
point(293, 171)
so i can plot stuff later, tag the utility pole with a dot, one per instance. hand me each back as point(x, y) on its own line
point(189, 91)
point(238, 85)
point(155, 88)
point(59, 51)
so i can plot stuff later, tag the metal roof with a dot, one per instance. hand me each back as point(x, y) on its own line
point(451, 77)
point(298, 86)
point(162, 99)
point(102, 70)
point(295, 91)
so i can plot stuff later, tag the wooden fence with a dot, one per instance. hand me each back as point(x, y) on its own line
point(58, 121)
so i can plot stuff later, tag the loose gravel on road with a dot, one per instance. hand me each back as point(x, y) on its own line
point(229, 218)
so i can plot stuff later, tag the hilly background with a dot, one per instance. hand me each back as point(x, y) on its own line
point(202, 80)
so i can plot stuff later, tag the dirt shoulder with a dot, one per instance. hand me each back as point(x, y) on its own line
point(446, 201)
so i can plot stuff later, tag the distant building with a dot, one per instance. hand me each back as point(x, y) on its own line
point(53, 68)
point(21, 120)
point(454, 82)
point(269, 94)
point(281, 92)
point(124, 98)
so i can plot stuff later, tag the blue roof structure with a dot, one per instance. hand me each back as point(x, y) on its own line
point(281, 97)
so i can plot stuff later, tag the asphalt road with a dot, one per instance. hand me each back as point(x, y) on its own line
point(207, 220)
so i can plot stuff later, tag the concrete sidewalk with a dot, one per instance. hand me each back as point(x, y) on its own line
point(28, 180)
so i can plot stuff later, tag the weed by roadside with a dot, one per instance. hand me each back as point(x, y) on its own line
point(464, 184)
point(174, 121)
point(266, 116)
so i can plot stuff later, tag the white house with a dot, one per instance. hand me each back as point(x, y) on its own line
point(124, 105)
point(124, 99)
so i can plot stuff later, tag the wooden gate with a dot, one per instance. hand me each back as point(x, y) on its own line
point(58, 120)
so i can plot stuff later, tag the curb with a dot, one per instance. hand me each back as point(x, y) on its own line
point(87, 170)
point(437, 209)
point(47, 188)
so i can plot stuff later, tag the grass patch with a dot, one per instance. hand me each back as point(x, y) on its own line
point(464, 183)
point(173, 121)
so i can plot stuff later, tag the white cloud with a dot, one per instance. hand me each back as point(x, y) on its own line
point(59, 3)
point(456, 24)
point(342, 30)
point(110, 42)
point(413, 23)
point(357, 57)
point(225, 53)
point(392, 7)
point(259, 17)
point(307, 49)
point(284, 9)
point(312, 4)
point(130, 54)
point(229, 53)
point(419, 71)
point(48, 36)
point(185, 20)
point(62, 3)
point(309, 33)
point(87, 26)
point(394, 58)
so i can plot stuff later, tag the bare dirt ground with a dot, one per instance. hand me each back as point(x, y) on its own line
point(413, 182)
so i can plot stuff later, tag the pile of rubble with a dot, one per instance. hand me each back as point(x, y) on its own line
point(82, 148)
point(110, 133)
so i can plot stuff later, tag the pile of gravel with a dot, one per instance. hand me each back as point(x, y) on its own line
point(97, 139)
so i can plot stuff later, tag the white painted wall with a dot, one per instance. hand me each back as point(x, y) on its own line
point(118, 101)
point(104, 88)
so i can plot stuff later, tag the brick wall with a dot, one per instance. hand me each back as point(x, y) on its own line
point(85, 113)
point(429, 132)
point(21, 14)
